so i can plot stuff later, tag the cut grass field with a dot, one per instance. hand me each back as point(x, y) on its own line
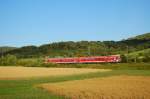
point(116, 87)
point(28, 72)
point(142, 52)
point(27, 88)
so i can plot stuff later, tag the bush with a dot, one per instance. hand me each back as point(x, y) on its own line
point(29, 62)
point(8, 60)
point(124, 59)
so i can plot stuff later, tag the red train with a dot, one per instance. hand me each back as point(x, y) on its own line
point(92, 59)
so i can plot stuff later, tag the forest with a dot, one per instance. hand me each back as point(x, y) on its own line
point(136, 49)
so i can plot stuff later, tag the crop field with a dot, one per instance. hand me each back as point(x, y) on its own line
point(116, 87)
point(27, 72)
point(61, 83)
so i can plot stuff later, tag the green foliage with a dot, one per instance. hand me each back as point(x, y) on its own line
point(140, 56)
point(124, 58)
point(88, 48)
point(30, 62)
point(145, 36)
point(82, 48)
point(8, 60)
point(6, 49)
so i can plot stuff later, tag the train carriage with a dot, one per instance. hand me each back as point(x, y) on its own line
point(89, 59)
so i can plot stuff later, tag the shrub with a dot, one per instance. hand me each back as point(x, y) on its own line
point(123, 58)
point(8, 60)
point(29, 62)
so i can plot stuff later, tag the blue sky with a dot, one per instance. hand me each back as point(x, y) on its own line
point(36, 22)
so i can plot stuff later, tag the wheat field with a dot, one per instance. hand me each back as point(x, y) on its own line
point(116, 87)
point(27, 72)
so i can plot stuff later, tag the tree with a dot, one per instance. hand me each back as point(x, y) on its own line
point(8, 60)
point(123, 58)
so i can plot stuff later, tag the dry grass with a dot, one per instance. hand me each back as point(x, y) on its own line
point(25, 72)
point(117, 87)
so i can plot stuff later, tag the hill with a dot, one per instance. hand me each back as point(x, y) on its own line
point(139, 56)
point(5, 49)
point(145, 36)
point(139, 42)
point(83, 48)
point(140, 53)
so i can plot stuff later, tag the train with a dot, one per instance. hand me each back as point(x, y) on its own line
point(88, 59)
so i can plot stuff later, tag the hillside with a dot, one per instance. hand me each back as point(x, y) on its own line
point(5, 49)
point(83, 48)
point(145, 36)
point(140, 53)
point(139, 42)
point(140, 56)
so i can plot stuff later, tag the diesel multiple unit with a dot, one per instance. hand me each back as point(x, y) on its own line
point(89, 59)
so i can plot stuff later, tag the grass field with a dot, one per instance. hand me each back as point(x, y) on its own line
point(142, 52)
point(116, 87)
point(28, 88)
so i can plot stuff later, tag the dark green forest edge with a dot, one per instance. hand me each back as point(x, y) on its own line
point(132, 50)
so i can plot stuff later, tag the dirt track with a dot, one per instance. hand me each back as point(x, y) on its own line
point(117, 87)
point(26, 72)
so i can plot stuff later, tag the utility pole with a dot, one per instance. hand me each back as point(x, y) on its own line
point(1, 56)
point(1, 52)
point(89, 50)
point(135, 60)
point(105, 50)
point(127, 53)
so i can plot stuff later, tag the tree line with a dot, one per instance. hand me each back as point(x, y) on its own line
point(85, 48)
